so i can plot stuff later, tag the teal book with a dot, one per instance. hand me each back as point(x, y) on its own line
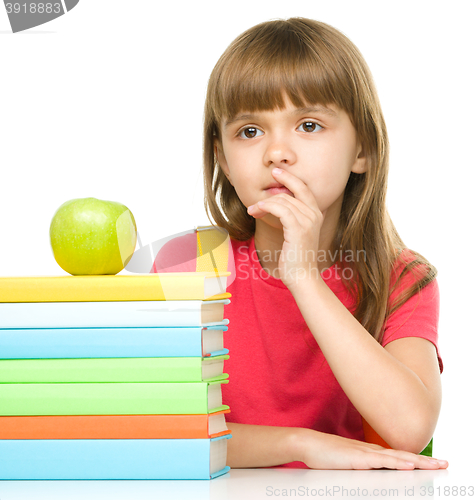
point(148, 398)
point(191, 369)
point(23, 459)
point(32, 343)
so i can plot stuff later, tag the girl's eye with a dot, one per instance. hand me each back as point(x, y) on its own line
point(309, 127)
point(250, 133)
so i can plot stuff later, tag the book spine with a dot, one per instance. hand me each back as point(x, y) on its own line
point(106, 399)
point(107, 427)
point(176, 369)
point(105, 459)
point(104, 314)
point(102, 342)
point(165, 286)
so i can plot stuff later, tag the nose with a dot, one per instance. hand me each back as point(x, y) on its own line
point(279, 152)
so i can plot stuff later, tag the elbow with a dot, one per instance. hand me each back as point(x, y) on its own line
point(415, 445)
point(413, 429)
point(414, 436)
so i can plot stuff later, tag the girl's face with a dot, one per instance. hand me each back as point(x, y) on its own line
point(317, 144)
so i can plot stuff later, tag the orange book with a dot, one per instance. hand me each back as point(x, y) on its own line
point(114, 426)
point(371, 436)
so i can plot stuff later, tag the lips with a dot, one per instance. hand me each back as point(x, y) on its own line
point(277, 188)
point(275, 185)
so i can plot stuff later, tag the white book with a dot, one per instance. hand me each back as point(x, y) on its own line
point(154, 313)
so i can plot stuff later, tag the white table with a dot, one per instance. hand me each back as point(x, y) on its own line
point(250, 484)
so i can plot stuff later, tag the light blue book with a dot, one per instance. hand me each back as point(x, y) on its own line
point(150, 313)
point(113, 458)
point(64, 343)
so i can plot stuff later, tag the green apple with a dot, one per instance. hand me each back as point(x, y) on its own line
point(91, 236)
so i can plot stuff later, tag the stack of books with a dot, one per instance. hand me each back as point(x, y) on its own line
point(102, 378)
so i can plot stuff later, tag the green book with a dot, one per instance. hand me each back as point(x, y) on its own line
point(173, 369)
point(168, 398)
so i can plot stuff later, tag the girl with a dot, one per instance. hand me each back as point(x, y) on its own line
point(333, 322)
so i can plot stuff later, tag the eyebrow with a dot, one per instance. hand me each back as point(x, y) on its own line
point(313, 109)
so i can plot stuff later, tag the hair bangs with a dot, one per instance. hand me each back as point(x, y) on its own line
point(274, 63)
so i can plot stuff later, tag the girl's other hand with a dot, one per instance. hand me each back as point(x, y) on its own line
point(328, 451)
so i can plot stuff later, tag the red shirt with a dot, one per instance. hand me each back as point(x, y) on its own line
point(278, 374)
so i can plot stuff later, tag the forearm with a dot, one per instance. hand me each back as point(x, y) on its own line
point(261, 445)
point(265, 446)
point(390, 396)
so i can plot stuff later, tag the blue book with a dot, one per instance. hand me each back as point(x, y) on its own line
point(37, 343)
point(113, 458)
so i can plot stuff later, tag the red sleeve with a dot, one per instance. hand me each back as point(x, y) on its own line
point(417, 317)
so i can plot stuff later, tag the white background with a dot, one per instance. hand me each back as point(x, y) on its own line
point(107, 101)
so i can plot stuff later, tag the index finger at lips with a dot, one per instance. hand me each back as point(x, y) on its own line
point(299, 189)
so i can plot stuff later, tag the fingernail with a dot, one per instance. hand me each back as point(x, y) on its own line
point(411, 464)
point(277, 170)
point(250, 208)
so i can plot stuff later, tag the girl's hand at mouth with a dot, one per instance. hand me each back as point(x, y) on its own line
point(302, 221)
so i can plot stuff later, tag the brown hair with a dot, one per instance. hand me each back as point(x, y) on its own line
point(312, 62)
